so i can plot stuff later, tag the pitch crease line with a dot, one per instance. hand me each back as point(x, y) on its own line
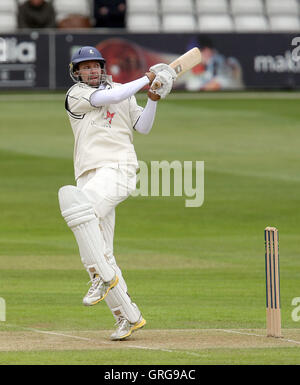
point(148, 348)
point(103, 342)
point(258, 335)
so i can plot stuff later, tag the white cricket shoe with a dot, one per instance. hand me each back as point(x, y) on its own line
point(125, 328)
point(99, 290)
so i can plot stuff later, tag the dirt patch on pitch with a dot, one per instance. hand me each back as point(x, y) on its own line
point(160, 340)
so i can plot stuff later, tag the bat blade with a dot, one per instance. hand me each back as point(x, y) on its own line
point(183, 63)
point(186, 61)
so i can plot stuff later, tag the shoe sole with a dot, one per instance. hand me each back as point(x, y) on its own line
point(134, 328)
point(107, 291)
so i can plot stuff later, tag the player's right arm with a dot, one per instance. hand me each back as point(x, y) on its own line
point(161, 71)
point(81, 98)
point(115, 95)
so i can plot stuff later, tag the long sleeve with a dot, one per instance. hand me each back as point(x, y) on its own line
point(146, 120)
point(116, 95)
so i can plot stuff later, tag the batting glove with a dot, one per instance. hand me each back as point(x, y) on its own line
point(162, 84)
point(160, 67)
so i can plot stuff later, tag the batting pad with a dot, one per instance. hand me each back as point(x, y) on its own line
point(80, 217)
point(112, 261)
point(120, 305)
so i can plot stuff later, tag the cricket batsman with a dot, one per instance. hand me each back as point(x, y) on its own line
point(103, 117)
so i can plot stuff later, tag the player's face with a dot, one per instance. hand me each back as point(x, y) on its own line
point(90, 72)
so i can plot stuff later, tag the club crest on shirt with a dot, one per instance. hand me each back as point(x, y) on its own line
point(109, 117)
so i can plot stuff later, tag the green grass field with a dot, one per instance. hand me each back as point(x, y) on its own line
point(196, 273)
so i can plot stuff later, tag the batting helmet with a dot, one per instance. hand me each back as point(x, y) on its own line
point(85, 54)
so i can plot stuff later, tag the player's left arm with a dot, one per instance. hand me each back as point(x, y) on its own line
point(165, 76)
point(145, 121)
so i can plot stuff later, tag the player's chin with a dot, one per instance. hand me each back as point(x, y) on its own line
point(94, 82)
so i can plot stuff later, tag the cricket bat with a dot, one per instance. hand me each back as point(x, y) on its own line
point(184, 63)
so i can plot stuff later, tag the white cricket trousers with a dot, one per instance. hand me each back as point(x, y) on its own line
point(106, 187)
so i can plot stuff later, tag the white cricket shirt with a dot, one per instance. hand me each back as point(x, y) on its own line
point(102, 134)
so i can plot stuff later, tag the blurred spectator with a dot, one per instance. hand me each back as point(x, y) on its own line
point(110, 13)
point(216, 72)
point(36, 14)
point(74, 22)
